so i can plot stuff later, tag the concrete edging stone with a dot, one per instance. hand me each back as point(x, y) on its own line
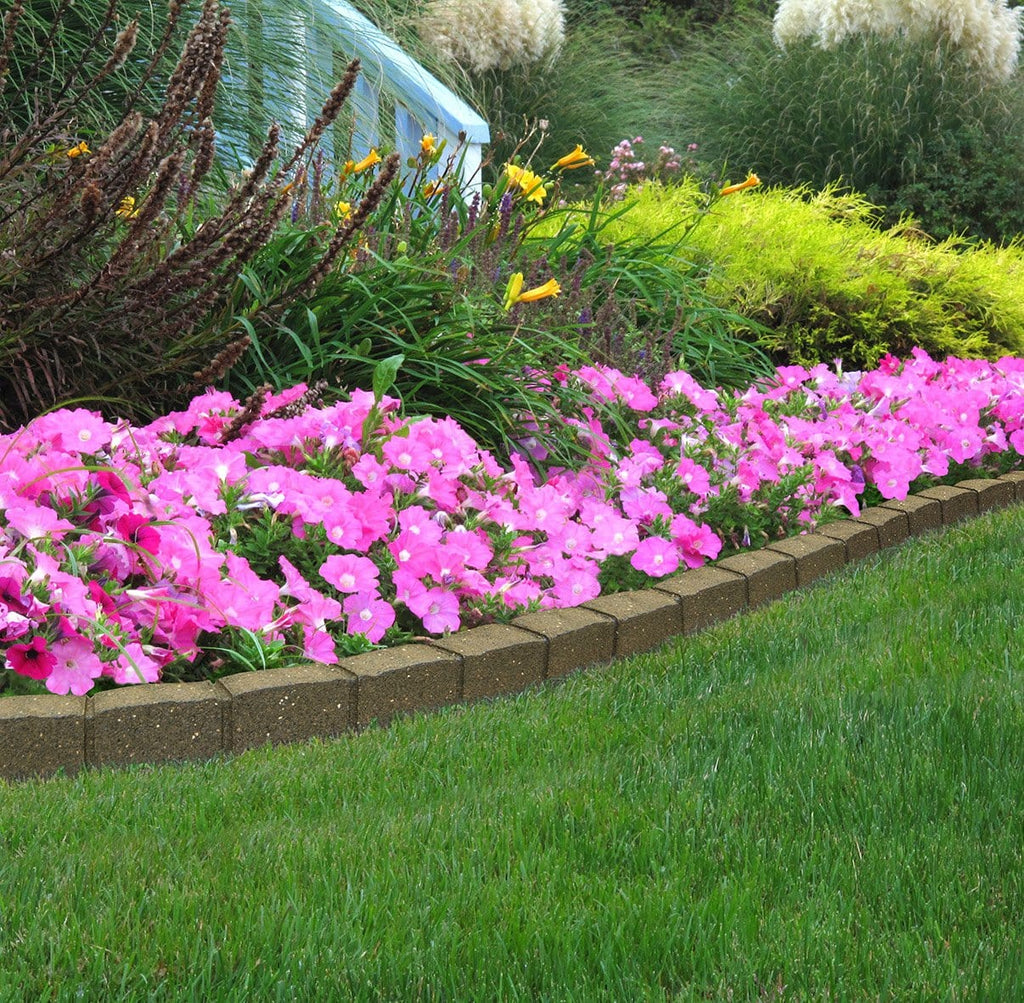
point(44, 735)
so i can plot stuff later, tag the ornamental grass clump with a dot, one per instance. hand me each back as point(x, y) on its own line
point(484, 35)
point(115, 248)
point(986, 33)
point(430, 286)
point(873, 111)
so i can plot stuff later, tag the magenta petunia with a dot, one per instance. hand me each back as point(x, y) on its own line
point(574, 586)
point(74, 430)
point(698, 543)
point(36, 522)
point(133, 666)
point(437, 608)
point(75, 667)
point(33, 659)
point(615, 535)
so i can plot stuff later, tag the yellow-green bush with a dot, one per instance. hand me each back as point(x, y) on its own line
point(828, 283)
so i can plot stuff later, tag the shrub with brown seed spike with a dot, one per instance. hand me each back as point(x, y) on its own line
point(250, 412)
point(222, 362)
point(98, 297)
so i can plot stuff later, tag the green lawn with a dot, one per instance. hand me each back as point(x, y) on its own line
point(820, 800)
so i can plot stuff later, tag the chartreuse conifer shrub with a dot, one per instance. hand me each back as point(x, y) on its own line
point(826, 282)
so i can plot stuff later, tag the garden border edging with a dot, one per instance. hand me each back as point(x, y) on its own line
point(168, 722)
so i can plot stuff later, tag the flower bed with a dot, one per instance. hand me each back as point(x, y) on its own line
point(216, 538)
point(40, 735)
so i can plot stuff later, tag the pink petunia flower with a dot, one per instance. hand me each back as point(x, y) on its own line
point(75, 666)
point(575, 585)
point(33, 659)
point(656, 557)
point(437, 608)
point(350, 573)
point(368, 614)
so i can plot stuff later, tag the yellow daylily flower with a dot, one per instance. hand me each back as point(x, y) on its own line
point(127, 210)
point(343, 210)
point(431, 188)
point(577, 158)
point(354, 167)
point(752, 179)
point(428, 145)
point(530, 184)
point(77, 151)
point(550, 288)
point(514, 291)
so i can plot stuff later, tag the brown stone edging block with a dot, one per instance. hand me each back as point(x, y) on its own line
point(401, 680)
point(923, 514)
point(815, 556)
point(859, 538)
point(643, 619)
point(1016, 478)
point(40, 735)
point(496, 658)
point(992, 493)
point(709, 595)
point(287, 705)
point(957, 503)
point(770, 575)
point(575, 637)
point(154, 723)
point(893, 526)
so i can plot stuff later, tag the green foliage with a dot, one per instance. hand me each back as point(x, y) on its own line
point(605, 83)
point(688, 14)
point(83, 36)
point(425, 291)
point(653, 311)
point(872, 112)
point(260, 57)
point(423, 294)
point(967, 183)
point(815, 269)
point(598, 90)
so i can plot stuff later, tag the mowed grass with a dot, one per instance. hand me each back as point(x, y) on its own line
point(821, 800)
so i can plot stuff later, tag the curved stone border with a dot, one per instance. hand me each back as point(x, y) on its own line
point(41, 735)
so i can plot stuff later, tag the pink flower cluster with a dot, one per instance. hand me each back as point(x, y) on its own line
point(628, 166)
point(123, 549)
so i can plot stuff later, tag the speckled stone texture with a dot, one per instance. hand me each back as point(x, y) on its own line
point(287, 705)
point(575, 638)
point(643, 619)
point(957, 503)
point(923, 514)
point(815, 556)
point(893, 527)
point(709, 595)
point(497, 658)
point(155, 723)
point(769, 574)
point(859, 538)
point(40, 735)
point(402, 680)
